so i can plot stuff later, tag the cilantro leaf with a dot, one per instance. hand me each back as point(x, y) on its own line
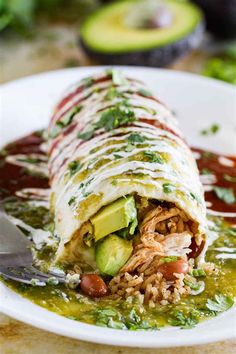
point(179, 319)
point(134, 138)
point(220, 303)
point(206, 171)
point(153, 157)
point(118, 77)
point(225, 194)
point(144, 92)
point(71, 201)
point(115, 117)
point(168, 188)
point(86, 135)
point(74, 166)
point(112, 93)
point(230, 178)
point(214, 128)
point(88, 81)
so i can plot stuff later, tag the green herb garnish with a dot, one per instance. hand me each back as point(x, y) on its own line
point(153, 157)
point(74, 166)
point(220, 303)
point(118, 77)
point(115, 117)
point(168, 188)
point(229, 178)
point(206, 171)
point(225, 194)
point(88, 81)
point(134, 138)
point(71, 201)
point(178, 318)
point(86, 135)
point(117, 156)
point(67, 119)
point(144, 92)
point(214, 128)
point(112, 93)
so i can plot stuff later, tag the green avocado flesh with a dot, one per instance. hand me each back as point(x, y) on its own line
point(105, 31)
point(116, 216)
point(112, 253)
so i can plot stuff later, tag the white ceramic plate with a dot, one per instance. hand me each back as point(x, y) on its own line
point(198, 103)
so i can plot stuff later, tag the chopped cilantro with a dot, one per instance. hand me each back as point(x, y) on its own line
point(67, 119)
point(144, 92)
point(214, 128)
point(153, 157)
point(168, 188)
point(88, 81)
point(71, 201)
point(231, 231)
point(195, 197)
point(117, 156)
point(207, 154)
point(31, 160)
point(112, 93)
point(178, 318)
point(220, 303)
point(230, 178)
point(115, 117)
point(134, 138)
point(225, 194)
point(114, 182)
point(74, 166)
point(86, 135)
point(118, 77)
point(206, 171)
point(129, 147)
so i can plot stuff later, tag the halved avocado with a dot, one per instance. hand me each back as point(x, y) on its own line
point(106, 37)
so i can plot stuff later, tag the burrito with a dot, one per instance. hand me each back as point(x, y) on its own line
point(125, 189)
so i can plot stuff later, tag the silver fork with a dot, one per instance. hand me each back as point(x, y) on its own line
point(16, 261)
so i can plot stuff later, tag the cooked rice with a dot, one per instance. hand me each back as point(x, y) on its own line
point(164, 231)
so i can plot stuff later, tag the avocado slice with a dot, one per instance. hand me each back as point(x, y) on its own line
point(115, 216)
point(117, 43)
point(112, 253)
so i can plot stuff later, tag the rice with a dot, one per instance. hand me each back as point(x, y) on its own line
point(149, 289)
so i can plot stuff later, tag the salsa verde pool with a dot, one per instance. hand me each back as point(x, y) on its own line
point(23, 172)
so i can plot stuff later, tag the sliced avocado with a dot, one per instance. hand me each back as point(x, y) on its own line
point(115, 216)
point(116, 42)
point(112, 253)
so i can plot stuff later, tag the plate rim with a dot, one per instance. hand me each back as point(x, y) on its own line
point(118, 338)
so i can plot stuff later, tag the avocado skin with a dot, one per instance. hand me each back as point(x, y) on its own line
point(157, 57)
point(220, 16)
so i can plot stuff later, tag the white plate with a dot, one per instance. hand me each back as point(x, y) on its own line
point(198, 102)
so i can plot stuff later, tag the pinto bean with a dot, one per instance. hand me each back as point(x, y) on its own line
point(169, 268)
point(93, 285)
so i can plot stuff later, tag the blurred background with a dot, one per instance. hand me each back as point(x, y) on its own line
point(41, 35)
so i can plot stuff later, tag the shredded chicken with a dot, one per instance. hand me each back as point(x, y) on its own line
point(163, 232)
